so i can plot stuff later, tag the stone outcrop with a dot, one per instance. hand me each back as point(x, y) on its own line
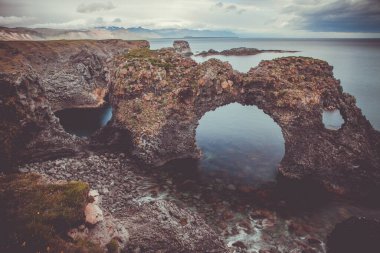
point(102, 228)
point(160, 96)
point(136, 218)
point(38, 78)
point(240, 51)
point(356, 234)
point(182, 47)
point(175, 229)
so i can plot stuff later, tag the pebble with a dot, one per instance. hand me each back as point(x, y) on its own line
point(231, 187)
point(120, 183)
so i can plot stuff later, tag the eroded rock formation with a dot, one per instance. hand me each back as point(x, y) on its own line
point(240, 51)
point(356, 234)
point(182, 47)
point(161, 96)
point(158, 97)
point(38, 78)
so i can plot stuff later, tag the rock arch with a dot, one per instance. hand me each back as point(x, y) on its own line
point(159, 96)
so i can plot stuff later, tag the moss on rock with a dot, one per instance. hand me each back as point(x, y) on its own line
point(113, 246)
point(36, 216)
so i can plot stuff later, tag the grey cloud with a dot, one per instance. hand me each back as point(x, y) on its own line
point(12, 21)
point(338, 16)
point(219, 5)
point(117, 20)
point(94, 7)
point(99, 20)
point(231, 8)
point(228, 8)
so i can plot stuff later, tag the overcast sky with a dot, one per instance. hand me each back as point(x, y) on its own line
point(289, 18)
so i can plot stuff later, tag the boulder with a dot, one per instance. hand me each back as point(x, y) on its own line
point(182, 47)
point(356, 234)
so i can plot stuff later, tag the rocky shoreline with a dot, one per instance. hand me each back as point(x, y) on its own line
point(135, 199)
point(161, 211)
point(158, 97)
point(240, 51)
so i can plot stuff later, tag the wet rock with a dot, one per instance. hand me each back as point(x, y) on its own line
point(239, 244)
point(313, 241)
point(160, 226)
point(240, 51)
point(182, 47)
point(231, 187)
point(270, 250)
point(356, 234)
point(262, 214)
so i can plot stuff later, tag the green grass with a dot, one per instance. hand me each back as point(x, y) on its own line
point(35, 217)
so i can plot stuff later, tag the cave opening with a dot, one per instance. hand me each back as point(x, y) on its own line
point(240, 145)
point(83, 122)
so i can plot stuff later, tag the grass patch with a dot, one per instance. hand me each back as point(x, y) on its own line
point(113, 246)
point(35, 217)
point(139, 53)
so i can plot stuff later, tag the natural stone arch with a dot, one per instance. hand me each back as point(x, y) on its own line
point(159, 96)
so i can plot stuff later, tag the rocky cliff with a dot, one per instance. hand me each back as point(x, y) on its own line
point(160, 96)
point(38, 78)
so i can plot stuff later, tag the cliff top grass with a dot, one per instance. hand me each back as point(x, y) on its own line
point(19, 56)
point(153, 56)
point(36, 216)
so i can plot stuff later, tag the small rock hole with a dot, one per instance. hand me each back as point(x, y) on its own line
point(332, 120)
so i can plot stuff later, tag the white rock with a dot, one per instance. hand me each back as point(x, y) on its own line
point(93, 214)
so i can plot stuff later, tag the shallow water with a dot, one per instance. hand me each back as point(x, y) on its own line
point(84, 121)
point(242, 142)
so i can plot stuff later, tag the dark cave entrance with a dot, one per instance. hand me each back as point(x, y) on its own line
point(83, 122)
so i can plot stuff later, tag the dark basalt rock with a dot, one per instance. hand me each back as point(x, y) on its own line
point(152, 223)
point(175, 230)
point(182, 47)
point(38, 78)
point(161, 97)
point(357, 234)
point(240, 51)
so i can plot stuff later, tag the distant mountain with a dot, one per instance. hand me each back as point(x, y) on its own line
point(105, 32)
point(169, 32)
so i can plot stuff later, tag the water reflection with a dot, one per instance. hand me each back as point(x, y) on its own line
point(240, 144)
point(84, 121)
